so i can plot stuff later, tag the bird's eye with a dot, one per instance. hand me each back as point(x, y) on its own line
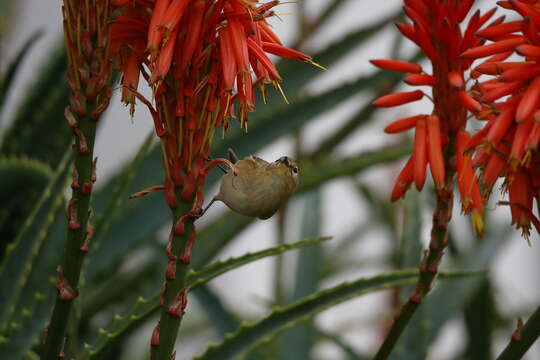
point(295, 170)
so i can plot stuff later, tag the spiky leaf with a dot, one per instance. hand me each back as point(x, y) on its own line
point(23, 251)
point(123, 325)
point(247, 335)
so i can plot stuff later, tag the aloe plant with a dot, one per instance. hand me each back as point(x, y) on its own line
point(57, 300)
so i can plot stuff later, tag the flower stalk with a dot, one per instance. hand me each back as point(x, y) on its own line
point(523, 337)
point(86, 33)
point(429, 266)
point(173, 300)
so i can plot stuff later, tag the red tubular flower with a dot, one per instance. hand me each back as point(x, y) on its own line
point(511, 143)
point(198, 79)
point(436, 29)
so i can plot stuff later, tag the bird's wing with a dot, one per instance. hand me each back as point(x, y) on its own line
point(259, 161)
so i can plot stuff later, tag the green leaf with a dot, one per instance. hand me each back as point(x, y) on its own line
point(122, 288)
point(116, 200)
point(413, 342)
point(22, 253)
point(314, 174)
point(20, 176)
point(22, 171)
point(410, 249)
point(121, 326)
point(297, 342)
point(216, 235)
point(30, 355)
point(248, 335)
point(7, 19)
point(143, 309)
point(109, 203)
point(296, 74)
point(7, 79)
point(39, 130)
point(217, 313)
point(352, 354)
point(480, 322)
point(211, 271)
point(448, 298)
point(37, 297)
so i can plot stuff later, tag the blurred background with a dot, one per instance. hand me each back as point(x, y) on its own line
point(328, 124)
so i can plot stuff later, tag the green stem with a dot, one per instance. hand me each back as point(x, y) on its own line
point(74, 251)
point(429, 266)
point(90, 95)
point(172, 310)
point(523, 338)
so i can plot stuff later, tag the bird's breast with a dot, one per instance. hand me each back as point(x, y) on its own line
point(253, 198)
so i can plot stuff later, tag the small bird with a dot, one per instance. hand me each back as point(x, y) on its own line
point(256, 187)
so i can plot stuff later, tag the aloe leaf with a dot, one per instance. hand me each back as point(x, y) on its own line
point(329, 11)
point(6, 18)
point(22, 171)
point(109, 204)
point(448, 298)
point(317, 173)
point(19, 175)
point(7, 79)
point(410, 247)
point(295, 74)
point(144, 308)
point(210, 241)
point(30, 355)
point(297, 342)
point(480, 321)
point(248, 335)
point(122, 288)
point(413, 342)
point(352, 354)
point(39, 130)
point(211, 271)
point(24, 250)
point(222, 319)
point(37, 133)
point(116, 200)
point(37, 297)
point(216, 235)
point(382, 210)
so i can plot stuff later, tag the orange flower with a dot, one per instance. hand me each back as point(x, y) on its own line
point(511, 137)
point(435, 28)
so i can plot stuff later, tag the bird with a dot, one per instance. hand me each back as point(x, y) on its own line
point(256, 187)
